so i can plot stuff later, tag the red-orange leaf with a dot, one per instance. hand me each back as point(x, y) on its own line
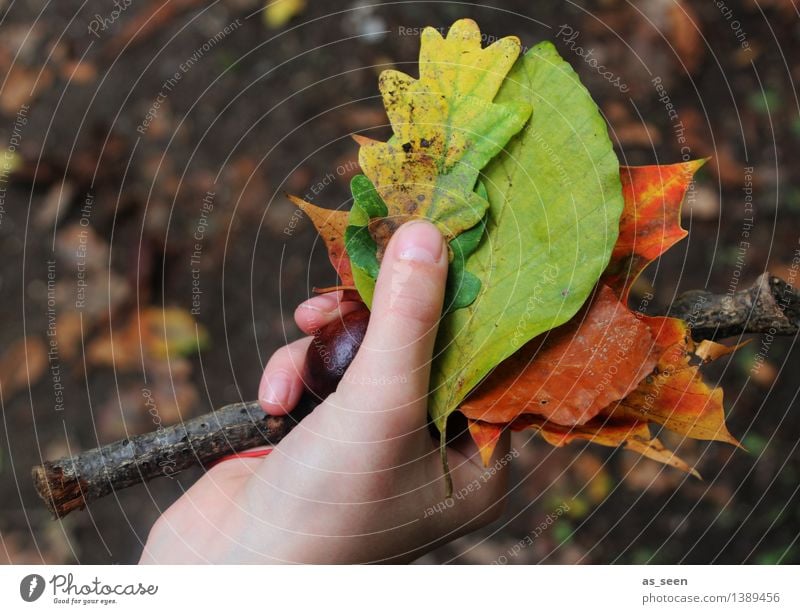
point(547, 386)
point(485, 435)
point(570, 374)
point(330, 225)
point(675, 395)
point(650, 222)
point(633, 434)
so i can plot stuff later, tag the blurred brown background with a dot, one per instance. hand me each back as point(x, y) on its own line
point(146, 148)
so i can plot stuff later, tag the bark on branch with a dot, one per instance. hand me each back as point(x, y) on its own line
point(769, 306)
point(70, 483)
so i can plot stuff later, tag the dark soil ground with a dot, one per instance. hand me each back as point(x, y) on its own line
point(155, 190)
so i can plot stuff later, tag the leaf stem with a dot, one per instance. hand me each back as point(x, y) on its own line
point(448, 479)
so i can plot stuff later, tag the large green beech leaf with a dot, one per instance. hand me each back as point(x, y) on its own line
point(555, 201)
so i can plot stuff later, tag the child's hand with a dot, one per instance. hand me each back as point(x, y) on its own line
point(360, 479)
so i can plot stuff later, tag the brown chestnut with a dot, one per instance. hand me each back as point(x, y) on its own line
point(332, 350)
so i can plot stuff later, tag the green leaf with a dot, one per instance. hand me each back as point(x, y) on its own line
point(555, 200)
point(462, 286)
point(361, 247)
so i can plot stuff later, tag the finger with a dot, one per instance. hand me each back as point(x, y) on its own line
point(282, 381)
point(396, 352)
point(316, 312)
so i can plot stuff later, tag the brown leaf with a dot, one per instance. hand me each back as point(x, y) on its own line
point(21, 365)
point(684, 34)
point(331, 225)
point(54, 205)
point(151, 336)
point(572, 372)
point(23, 85)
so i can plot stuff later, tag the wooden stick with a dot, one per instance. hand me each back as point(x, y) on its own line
point(68, 484)
point(769, 306)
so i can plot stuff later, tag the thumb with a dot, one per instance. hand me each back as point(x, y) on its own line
point(391, 371)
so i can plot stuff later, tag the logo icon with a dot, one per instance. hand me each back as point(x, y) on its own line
point(31, 587)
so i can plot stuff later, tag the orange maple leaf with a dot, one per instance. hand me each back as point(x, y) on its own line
point(672, 394)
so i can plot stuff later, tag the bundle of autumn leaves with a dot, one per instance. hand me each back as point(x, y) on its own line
point(580, 364)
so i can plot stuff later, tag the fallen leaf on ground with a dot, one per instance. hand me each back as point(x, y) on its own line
point(154, 334)
point(22, 86)
point(684, 34)
point(21, 365)
point(278, 13)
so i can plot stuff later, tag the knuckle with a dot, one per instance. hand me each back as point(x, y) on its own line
point(407, 306)
point(414, 292)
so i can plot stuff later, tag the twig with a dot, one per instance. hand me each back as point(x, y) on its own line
point(68, 484)
point(769, 306)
